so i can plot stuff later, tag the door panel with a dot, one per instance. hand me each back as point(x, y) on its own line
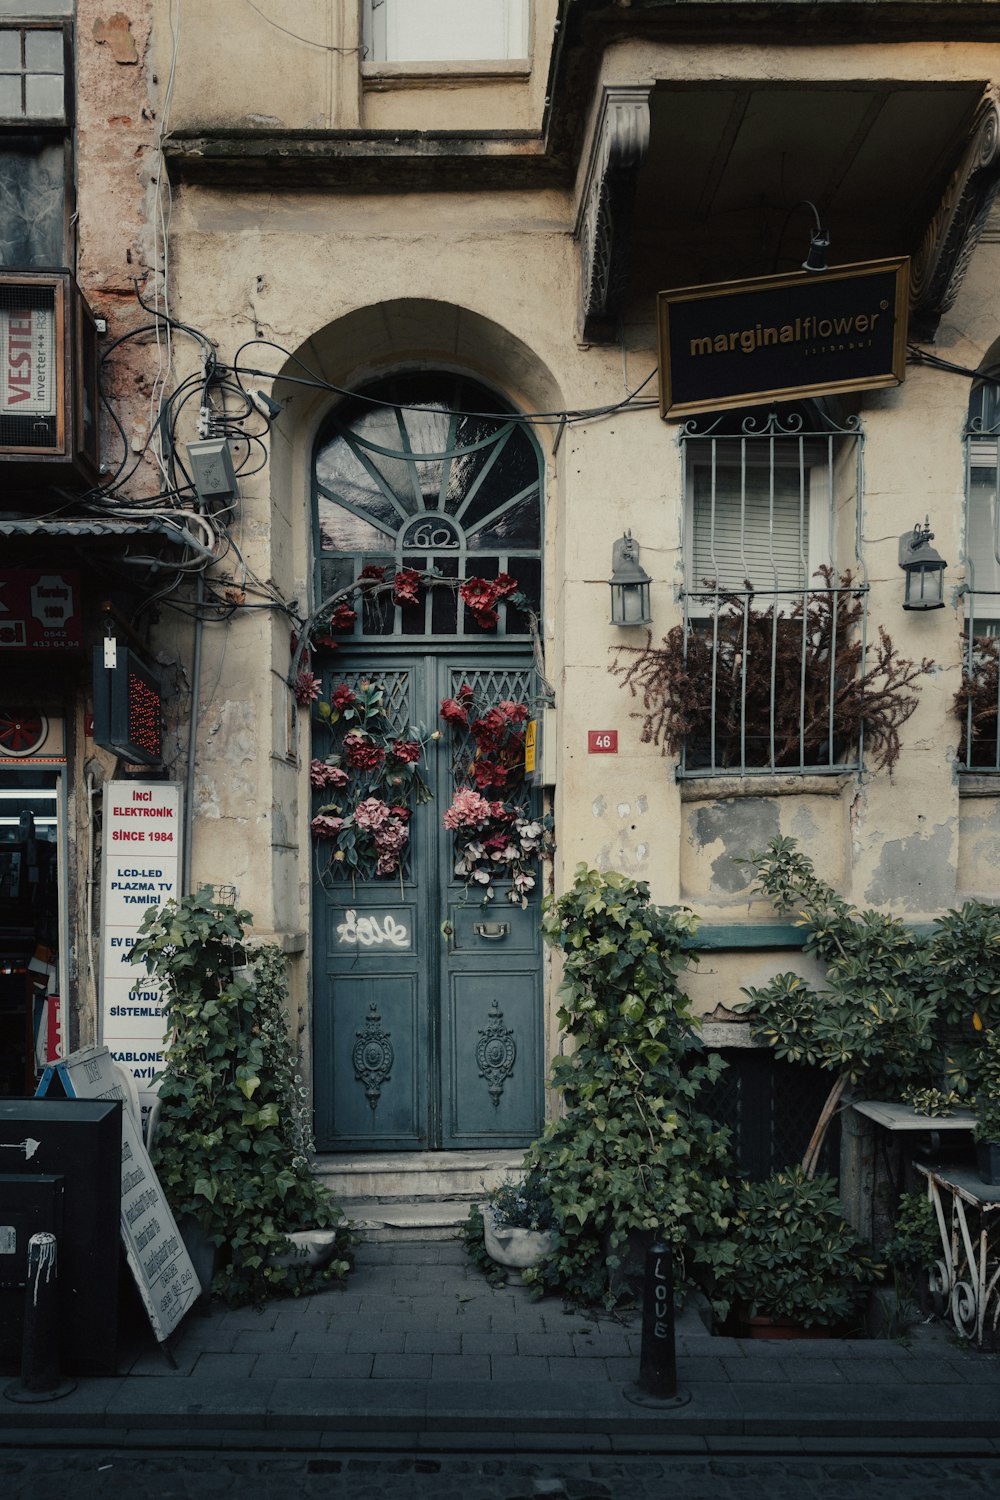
point(428, 1007)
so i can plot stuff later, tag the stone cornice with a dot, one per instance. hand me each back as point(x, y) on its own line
point(617, 150)
point(950, 239)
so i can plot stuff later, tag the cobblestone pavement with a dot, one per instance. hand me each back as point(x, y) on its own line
point(159, 1475)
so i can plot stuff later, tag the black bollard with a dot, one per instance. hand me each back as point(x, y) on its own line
point(40, 1379)
point(657, 1385)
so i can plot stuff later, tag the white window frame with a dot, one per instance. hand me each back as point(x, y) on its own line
point(25, 72)
point(385, 36)
point(982, 603)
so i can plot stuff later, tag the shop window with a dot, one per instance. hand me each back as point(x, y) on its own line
point(445, 30)
point(977, 702)
point(771, 626)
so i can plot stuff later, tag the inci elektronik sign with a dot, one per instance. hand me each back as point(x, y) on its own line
point(780, 338)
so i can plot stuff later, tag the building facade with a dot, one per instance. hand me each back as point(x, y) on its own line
point(399, 267)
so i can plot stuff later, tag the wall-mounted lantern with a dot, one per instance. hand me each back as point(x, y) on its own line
point(924, 568)
point(629, 584)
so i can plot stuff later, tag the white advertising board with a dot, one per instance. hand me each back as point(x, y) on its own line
point(141, 869)
point(167, 1281)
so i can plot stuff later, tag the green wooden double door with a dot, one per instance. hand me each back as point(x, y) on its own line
point(427, 1015)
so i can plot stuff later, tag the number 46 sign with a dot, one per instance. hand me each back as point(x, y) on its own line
point(602, 742)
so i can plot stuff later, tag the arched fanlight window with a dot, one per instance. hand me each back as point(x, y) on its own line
point(429, 471)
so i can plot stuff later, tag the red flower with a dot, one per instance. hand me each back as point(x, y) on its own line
point(343, 617)
point(372, 573)
point(514, 713)
point(504, 585)
point(362, 753)
point(343, 698)
point(306, 688)
point(408, 751)
point(406, 586)
point(325, 642)
point(486, 773)
point(453, 711)
point(479, 596)
point(403, 813)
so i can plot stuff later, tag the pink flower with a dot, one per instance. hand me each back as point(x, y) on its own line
point(306, 689)
point(372, 813)
point(390, 841)
point(343, 698)
point(320, 774)
point(468, 810)
point(325, 827)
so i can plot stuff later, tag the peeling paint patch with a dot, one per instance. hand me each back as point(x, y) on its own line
point(742, 826)
point(116, 33)
point(642, 805)
point(624, 809)
point(600, 806)
point(915, 872)
point(804, 826)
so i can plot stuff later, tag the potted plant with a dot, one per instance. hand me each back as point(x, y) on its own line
point(232, 1140)
point(798, 1267)
point(519, 1222)
point(986, 1103)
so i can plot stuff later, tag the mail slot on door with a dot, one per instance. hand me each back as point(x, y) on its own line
point(499, 927)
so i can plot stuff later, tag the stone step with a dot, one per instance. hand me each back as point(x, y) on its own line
point(410, 1176)
point(413, 1195)
point(399, 1221)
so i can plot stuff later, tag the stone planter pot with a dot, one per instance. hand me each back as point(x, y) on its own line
point(988, 1161)
point(516, 1249)
point(310, 1247)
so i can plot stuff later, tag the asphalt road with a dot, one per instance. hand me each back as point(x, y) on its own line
point(75, 1474)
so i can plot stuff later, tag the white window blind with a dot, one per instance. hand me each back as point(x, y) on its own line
point(981, 539)
point(754, 527)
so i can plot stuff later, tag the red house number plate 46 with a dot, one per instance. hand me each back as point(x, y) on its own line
point(602, 742)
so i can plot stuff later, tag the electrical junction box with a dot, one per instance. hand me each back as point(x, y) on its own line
point(540, 749)
point(211, 463)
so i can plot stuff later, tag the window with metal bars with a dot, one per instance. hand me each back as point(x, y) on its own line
point(978, 700)
point(770, 626)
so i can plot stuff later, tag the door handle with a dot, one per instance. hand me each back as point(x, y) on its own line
point(494, 931)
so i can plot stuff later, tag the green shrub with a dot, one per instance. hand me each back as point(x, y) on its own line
point(232, 1139)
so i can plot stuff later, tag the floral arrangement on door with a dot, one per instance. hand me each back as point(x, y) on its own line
point(373, 772)
point(496, 836)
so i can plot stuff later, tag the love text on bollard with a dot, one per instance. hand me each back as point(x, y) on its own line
point(657, 1384)
point(657, 1360)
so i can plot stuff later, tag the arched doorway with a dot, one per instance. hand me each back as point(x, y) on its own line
point(427, 1000)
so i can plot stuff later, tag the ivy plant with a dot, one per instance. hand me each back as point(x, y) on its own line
point(631, 1150)
point(232, 1139)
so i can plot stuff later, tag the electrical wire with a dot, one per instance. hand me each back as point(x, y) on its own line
point(308, 41)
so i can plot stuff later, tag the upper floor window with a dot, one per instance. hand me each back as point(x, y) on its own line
point(771, 638)
point(445, 30)
point(32, 76)
point(978, 699)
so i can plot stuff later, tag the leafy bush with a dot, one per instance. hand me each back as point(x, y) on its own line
point(631, 1150)
point(795, 1255)
point(232, 1139)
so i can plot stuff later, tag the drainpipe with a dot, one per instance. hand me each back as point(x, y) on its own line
point(192, 739)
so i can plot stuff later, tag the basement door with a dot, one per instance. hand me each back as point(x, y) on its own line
point(428, 1003)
